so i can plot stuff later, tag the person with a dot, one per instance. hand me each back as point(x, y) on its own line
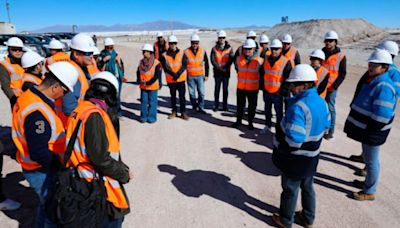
point(93, 68)
point(289, 51)
point(160, 47)
point(94, 37)
point(33, 64)
point(297, 146)
point(38, 133)
point(264, 46)
point(174, 63)
point(97, 148)
point(317, 56)
point(56, 53)
point(197, 71)
point(369, 121)
point(221, 59)
point(335, 63)
point(250, 35)
point(148, 74)
point(248, 73)
point(275, 71)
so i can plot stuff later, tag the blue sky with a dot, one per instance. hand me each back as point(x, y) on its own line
point(35, 14)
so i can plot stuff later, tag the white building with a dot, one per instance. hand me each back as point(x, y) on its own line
point(7, 28)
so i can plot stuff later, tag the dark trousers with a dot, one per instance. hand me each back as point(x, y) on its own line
point(2, 197)
point(241, 96)
point(173, 88)
point(277, 100)
point(224, 81)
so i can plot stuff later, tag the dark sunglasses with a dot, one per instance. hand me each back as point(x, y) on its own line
point(195, 42)
point(274, 49)
point(173, 43)
point(315, 58)
point(109, 47)
point(86, 53)
point(221, 38)
point(328, 41)
point(16, 49)
point(285, 43)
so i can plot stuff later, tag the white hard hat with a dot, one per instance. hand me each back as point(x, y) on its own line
point(108, 41)
point(318, 53)
point(275, 44)
point(14, 42)
point(66, 73)
point(249, 43)
point(82, 42)
point(221, 33)
point(264, 39)
point(331, 35)
point(380, 56)
point(160, 34)
point(96, 51)
point(195, 37)
point(107, 76)
point(302, 73)
point(148, 47)
point(55, 44)
point(390, 46)
point(30, 58)
point(172, 39)
point(251, 34)
point(287, 38)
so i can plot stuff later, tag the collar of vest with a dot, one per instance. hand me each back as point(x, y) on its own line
point(35, 74)
point(14, 60)
point(42, 96)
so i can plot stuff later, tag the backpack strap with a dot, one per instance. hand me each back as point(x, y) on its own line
point(71, 143)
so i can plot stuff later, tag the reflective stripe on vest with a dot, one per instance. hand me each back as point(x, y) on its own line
point(322, 72)
point(222, 56)
point(195, 64)
point(147, 75)
point(291, 54)
point(174, 64)
point(31, 78)
point(273, 76)
point(58, 57)
point(332, 64)
point(16, 73)
point(248, 73)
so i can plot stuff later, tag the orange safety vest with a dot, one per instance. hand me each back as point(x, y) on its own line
point(222, 57)
point(273, 76)
point(157, 50)
point(80, 159)
point(332, 64)
point(92, 68)
point(26, 104)
point(16, 73)
point(174, 64)
point(147, 75)
point(195, 65)
point(248, 74)
point(31, 78)
point(322, 72)
point(267, 53)
point(58, 57)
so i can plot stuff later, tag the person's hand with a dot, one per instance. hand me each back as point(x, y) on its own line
point(106, 58)
point(130, 175)
point(205, 78)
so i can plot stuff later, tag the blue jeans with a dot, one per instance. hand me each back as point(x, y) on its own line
point(148, 106)
point(112, 223)
point(331, 100)
point(289, 194)
point(277, 100)
point(196, 83)
point(42, 183)
point(371, 160)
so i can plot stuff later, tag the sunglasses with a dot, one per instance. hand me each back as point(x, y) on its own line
point(86, 53)
point(274, 49)
point(109, 47)
point(16, 49)
point(195, 42)
point(221, 38)
point(285, 43)
point(173, 43)
point(328, 41)
point(374, 65)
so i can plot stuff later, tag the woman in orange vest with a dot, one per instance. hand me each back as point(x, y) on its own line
point(97, 149)
point(32, 63)
point(248, 73)
point(316, 58)
point(148, 74)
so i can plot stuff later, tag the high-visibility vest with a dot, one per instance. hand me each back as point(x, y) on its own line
point(322, 72)
point(147, 75)
point(248, 74)
point(58, 57)
point(267, 53)
point(27, 103)
point(157, 50)
point(174, 64)
point(92, 68)
point(16, 73)
point(332, 64)
point(195, 65)
point(291, 54)
point(80, 159)
point(222, 57)
point(31, 78)
point(273, 76)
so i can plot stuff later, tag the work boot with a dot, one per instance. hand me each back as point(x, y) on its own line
point(361, 172)
point(328, 136)
point(358, 184)
point(172, 115)
point(9, 205)
point(302, 219)
point(278, 221)
point(184, 116)
point(201, 111)
point(236, 124)
point(357, 158)
point(361, 196)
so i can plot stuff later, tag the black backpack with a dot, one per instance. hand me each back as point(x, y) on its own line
point(74, 202)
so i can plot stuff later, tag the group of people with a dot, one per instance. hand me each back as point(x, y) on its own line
point(50, 100)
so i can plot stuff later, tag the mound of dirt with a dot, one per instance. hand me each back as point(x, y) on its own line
point(310, 34)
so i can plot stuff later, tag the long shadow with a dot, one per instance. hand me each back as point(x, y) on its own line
point(26, 196)
point(258, 138)
point(258, 161)
point(195, 183)
point(350, 166)
point(7, 146)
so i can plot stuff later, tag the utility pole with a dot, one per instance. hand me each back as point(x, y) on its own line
point(8, 11)
point(74, 28)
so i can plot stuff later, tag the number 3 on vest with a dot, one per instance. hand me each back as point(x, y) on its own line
point(40, 127)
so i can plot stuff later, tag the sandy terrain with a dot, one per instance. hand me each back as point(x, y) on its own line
point(202, 173)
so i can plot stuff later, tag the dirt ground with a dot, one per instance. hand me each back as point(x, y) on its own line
point(202, 173)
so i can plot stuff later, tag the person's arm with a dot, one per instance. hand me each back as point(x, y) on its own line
point(284, 90)
point(261, 72)
point(213, 60)
point(322, 86)
point(96, 143)
point(206, 64)
point(70, 100)
point(138, 75)
point(342, 74)
point(297, 58)
point(383, 108)
point(27, 85)
point(294, 127)
point(156, 77)
point(167, 70)
point(5, 81)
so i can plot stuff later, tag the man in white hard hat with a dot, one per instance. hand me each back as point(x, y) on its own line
point(250, 35)
point(160, 46)
point(369, 121)
point(222, 58)
point(264, 46)
point(335, 62)
point(93, 68)
point(33, 65)
point(148, 74)
point(248, 73)
point(197, 71)
point(274, 72)
point(102, 148)
point(317, 56)
point(38, 133)
point(296, 146)
point(289, 51)
point(174, 63)
point(57, 53)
